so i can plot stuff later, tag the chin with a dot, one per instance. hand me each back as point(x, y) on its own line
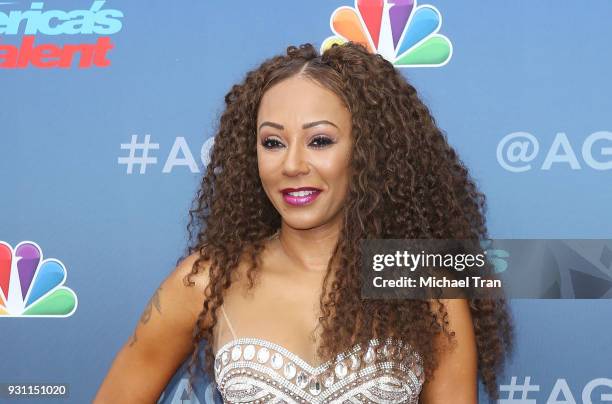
point(302, 223)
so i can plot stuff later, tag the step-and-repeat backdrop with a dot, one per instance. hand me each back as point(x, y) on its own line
point(108, 110)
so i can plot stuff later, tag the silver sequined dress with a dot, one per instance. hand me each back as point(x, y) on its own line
point(254, 370)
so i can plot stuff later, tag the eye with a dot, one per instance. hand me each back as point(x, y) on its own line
point(321, 141)
point(270, 143)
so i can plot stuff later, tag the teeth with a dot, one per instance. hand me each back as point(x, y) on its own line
point(301, 193)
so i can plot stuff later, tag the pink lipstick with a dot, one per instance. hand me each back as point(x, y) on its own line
point(300, 196)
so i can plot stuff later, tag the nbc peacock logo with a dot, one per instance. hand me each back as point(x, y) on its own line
point(31, 286)
point(402, 32)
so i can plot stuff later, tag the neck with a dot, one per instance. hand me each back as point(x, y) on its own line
point(309, 250)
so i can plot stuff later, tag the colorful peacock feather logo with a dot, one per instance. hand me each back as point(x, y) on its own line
point(404, 34)
point(31, 286)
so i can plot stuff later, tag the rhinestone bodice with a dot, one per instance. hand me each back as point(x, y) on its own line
point(259, 371)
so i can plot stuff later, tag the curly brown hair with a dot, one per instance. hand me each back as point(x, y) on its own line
point(402, 163)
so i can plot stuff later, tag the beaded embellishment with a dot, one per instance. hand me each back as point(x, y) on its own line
point(259, 371)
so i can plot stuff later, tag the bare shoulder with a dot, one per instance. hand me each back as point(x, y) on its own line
point(189, 281)
point(187, 268)
point(458, 311)
point(178, 300)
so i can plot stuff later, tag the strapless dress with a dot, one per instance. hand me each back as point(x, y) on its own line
point(254, 370)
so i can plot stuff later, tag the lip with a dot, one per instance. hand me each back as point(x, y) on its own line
point(300, 200)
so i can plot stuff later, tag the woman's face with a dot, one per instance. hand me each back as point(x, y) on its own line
point(304, 141)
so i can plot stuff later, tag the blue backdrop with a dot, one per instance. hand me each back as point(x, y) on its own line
point(539, 68)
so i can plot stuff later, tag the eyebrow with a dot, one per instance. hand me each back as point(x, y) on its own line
point(305, 126)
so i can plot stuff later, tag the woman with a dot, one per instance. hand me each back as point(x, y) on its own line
point(313, 154)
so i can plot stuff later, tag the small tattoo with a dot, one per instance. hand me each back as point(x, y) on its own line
point(133, 339)
point(146, 314)
point(153, 301)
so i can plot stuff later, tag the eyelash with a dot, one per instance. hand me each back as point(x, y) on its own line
point(327, 141)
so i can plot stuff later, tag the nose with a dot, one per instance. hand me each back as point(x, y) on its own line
point(296, 160)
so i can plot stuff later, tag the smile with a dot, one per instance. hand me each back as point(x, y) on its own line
point(302, 197)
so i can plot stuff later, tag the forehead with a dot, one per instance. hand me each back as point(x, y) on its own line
point(301, 98)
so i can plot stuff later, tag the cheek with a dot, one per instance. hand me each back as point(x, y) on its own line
point(335, 170)
point(266, 168)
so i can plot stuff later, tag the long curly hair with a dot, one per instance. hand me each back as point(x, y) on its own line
point(401, 162)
